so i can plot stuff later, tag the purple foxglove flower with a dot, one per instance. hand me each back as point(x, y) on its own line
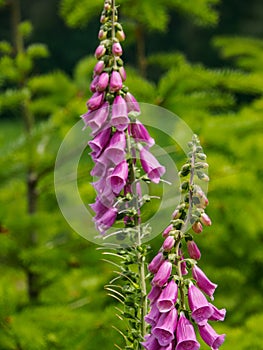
point(201, 310)
point(210, 336)
point(197, 227)
point(98, 69)
point(168, 297)
point(122, 73)
point(119, 117)
point(99, 168)
point(193, 250)
point(115, 81)
point(156, 262)
point(103, 81)
point(162, 274)
point(167, 230)
point(140, 133)
point(119, 177)
point(132, 104)
point(165, 328)
point(185, 335)
point(95, 101)
point(107, 220)
point(115, 150)
point(203, 282)
point(154, 294)
point(99, 142)
point(117, 49)
point(93, 85)
point(205, 219)
point(98, 118)
point(99, 208)
point(151, 165)
point(168, 244)
point(151, 343)
point(153, 316)
point(100, 51)
point(217, 315)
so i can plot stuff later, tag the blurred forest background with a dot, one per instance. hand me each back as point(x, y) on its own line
point(201, 59)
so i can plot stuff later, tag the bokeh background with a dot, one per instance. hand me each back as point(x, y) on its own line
point(201, 59)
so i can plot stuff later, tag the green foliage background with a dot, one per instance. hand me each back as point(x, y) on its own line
point(39, 102)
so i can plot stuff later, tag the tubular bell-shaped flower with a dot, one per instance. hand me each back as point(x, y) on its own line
point(203, 282)
point(151, 165)
point(185, 335)
point(165, 328)
point(210, 336)
point(168, 297)
point(201, 310)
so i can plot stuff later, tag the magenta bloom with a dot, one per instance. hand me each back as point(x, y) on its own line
point(99, 142)
point(168, 297)
point(151, 343)
point(162, 274)
point(156, 263)
point(115, 81)
point(185, 334)
point(100, 51)
point(132, 104)
point(203, 282)
point(217, 315)
point(205, 219)
point(193, 250)
point(165, 328)
point(99, 208)
point(99, 67)
point(97, 119)
point(140, 133)
point(119, 117)
point(167, 230)
point(151, 165)
point(153, 316)
point(201, 310)
point(107, 220)
point(119, 177)
point(103, 81)
point(95, 101)
point(117, 49)
point(116, 148)
point(210, 336)
point(154, 294)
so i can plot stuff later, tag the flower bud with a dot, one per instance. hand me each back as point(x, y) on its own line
point(176, 214)
point(205, 219)
point(100, 51)
point(103, 19)
point(115, 81)
point(99, 67)
point(107, 6)
point(193, 250)
point(122, 73)
point(168, 244)
point(117, 49)
point(93, 85)
point(102, 34)
point(197, 227)
point(156, 263)
point(167, 230)
point(120, 35)
point(103, 81)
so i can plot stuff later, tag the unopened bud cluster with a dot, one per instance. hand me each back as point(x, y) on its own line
point(180, 289)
